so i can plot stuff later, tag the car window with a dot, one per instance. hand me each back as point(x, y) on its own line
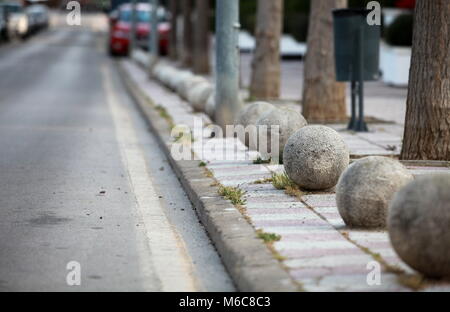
point(142, 16)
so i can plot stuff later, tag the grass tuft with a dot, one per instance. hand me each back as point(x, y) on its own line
point(260, 161)
point(234, 194)
point(281, 181)
point(268, 237)
point(202, 164)
point(164, 114)
point(263, 181)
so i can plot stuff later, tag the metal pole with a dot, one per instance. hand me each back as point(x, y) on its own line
point(227, 62)
point(361, 126)
point(153, 35)
point(352, 123)
point(133, 27)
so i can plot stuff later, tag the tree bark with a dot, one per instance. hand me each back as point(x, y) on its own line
point(265, 80)
point(323, 97)
point(427, 124)
point(201, 38)
point(173, 39)
point(188, 43)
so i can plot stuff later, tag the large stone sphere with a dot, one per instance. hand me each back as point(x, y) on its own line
point(366, 188)
point(315, 157)
point(198, 95)
point(287, 121)
point(166, 74)
point(249, 115)
point(176, 80)
point(419, 225)
point(188, 84)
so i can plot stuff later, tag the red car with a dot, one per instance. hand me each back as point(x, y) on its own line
point(120, 29)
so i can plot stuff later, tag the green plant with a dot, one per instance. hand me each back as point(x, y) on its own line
point(165, 115)
point(400, 32)
point(260, 161)
point(202, 164)
point(263, 181)
point(268, 237)
point(281, 181)
point(233, 194)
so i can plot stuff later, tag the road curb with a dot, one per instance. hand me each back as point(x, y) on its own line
point(248, 261)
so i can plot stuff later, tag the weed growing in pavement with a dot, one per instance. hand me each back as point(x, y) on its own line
point(263, 181)
point(164, 114)
point(281, 181)
point(202, 164)
point(268, 237)
point(234, 194)
point(260, 161)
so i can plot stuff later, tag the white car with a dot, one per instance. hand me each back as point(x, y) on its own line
point(17, 20)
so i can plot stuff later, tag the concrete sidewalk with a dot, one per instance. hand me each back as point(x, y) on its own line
point(315, 248)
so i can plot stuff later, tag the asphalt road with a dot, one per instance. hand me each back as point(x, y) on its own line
point(82, 181)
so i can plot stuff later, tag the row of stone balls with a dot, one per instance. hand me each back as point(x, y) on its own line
point(197, 90)
point(371, 193)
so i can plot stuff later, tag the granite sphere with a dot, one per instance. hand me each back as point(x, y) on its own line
point(419, 225)
point(283, 122)
point(315, 157)
point(366, 189)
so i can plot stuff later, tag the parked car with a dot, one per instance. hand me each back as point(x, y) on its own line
point(120, 30)
point(17, 26)
point(37, 17)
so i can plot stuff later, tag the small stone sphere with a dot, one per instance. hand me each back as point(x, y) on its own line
point(288, 122)
point(188, 84)
point(178, 78)
point(315, 157)
point(198, 95)
point(419, 225)
point(210, 107)
point(366, 188)
point(166, 74)
point(249, 115)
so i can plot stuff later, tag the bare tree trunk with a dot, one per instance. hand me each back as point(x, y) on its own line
point(201, 38)
point(323, 97)
point(427, 125)
point(173, 40)
point(265, 81)
point(188, 43)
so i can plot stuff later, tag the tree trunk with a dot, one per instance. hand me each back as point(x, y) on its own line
point(173, 40)
point(427, 124)
point(201, 38)
point(265, 81)
point(188, 43)
point(323, 97)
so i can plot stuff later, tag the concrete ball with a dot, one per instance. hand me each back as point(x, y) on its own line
point(176, 80)
point(198, 95)
point(367, 187)
point(166, 75)
point(287, 121)
point(315, 157)
point(250, 114)
point(188, 84)
point(419, 225)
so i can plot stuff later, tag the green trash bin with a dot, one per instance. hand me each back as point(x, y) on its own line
point(350, 28)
